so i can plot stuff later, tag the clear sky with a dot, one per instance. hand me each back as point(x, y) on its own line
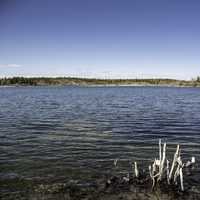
point(100, 38)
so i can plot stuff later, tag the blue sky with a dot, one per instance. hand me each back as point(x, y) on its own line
point(100, 38)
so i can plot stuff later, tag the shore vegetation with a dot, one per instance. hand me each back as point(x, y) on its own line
point(45, 81)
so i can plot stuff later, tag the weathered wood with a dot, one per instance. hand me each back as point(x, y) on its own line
point(136, 170)
point(181, 179)
point(162, 162)
point(174, 162)
point(158, 167)
point(115, 162)
point(167, 171)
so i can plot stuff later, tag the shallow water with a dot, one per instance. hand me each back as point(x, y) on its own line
point(52, 134)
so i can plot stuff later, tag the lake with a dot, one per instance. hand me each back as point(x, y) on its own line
point(50, 134)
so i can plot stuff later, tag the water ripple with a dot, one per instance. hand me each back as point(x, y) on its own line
point(66, 131)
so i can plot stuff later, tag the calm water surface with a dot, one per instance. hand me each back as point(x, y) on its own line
point(59, 133)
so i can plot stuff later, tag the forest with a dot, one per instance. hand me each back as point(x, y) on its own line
point(45, 81)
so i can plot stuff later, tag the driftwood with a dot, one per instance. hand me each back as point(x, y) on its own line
point(156, 170)
point(136, 170)
point(174, 163)
point(161, 170)
point(115, 162)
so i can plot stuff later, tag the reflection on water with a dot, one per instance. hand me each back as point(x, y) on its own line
point(49, 133)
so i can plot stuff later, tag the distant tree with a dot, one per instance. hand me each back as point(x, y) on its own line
point(198, 78)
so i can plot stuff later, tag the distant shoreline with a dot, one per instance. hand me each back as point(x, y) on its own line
point(92, 82)
point(103, 85)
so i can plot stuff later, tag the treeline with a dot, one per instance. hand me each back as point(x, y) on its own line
point(34, 81)
point(17, 81)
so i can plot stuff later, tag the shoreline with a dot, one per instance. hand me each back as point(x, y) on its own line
point(103, 85)
point(93, 82)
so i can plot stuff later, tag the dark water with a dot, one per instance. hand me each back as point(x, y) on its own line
point(60, 133)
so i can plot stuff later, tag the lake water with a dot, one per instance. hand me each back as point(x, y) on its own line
point(61, 133)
